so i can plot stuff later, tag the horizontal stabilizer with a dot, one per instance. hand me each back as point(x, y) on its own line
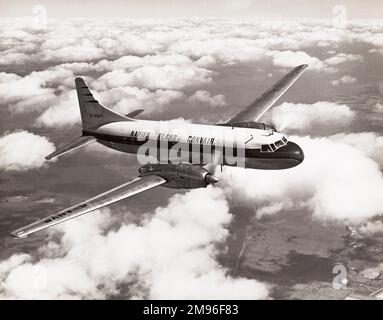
point(71, 146)
point(135, 113)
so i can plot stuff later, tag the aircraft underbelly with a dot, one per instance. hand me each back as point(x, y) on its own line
point(123, 147)
point(271, 164)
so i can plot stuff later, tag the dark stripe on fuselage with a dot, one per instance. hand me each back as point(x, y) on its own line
point(290, 151)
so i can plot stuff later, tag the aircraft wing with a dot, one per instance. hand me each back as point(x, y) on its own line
point(256, 110)
point(123, 191)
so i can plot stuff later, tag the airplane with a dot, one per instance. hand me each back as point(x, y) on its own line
point(259, 145)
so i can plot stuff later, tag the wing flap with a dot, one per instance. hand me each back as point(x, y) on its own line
point(123, 191)
point(260, 106)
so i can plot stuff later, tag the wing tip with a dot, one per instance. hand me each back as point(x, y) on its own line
point(19, 234)
point(77, 79)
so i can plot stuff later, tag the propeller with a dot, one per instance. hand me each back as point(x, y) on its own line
point(216, 160)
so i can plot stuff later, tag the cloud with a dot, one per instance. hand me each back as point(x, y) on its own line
point(18, 92)
point(156, 77)
point(228, 41)
point(292, 59)
point(13, 58)
point(126, 99)
point(342, 58)
point(205, 97)
point(371, 228)
point(378, 107)
point(170, 254)
point(84, 51)
point(130, 63)
point(367, 142)
point(336, 182)
point(167, 54)
point(22, 150)
point(65, 112)
point(343, 80)
point(322, 116)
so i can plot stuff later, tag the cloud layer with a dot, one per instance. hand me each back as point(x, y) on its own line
point(171, 254)
point(22, 150)
point(339, 180)
point(151, 60)
point(321, 116)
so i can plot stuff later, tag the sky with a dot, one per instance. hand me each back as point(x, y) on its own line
point(355, 9)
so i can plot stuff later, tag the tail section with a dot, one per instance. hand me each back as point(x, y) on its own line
point(94, 114)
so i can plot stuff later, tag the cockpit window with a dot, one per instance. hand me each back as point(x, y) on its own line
point(279, 143)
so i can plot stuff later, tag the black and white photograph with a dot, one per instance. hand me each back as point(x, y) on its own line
point(191, 150)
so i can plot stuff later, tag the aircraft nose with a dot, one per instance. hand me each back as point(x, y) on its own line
point(294, 151)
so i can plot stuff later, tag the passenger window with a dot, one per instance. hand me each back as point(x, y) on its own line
point(265, 148)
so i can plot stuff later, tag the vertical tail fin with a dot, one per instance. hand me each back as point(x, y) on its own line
point(93, 113)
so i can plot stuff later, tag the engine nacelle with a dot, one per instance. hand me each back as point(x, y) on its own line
point(180, 176)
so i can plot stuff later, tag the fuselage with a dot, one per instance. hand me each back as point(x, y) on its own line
point(259, 147)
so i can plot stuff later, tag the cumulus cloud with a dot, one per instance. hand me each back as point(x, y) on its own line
point(378, 107)
point(156, 77)
point(22, 150)
point(344, 80)
point(342, 58)
point(292, 59)
point(24, 93)
point(335, 182)
point(228, 41)
point(205, 97)
point(127, 99)
point(371, 227)
point(322, 116)
point(171, 254)
point(84, 50)
point(369, 143)
point(65, 112)
point(170, 54)
point(129, 63)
